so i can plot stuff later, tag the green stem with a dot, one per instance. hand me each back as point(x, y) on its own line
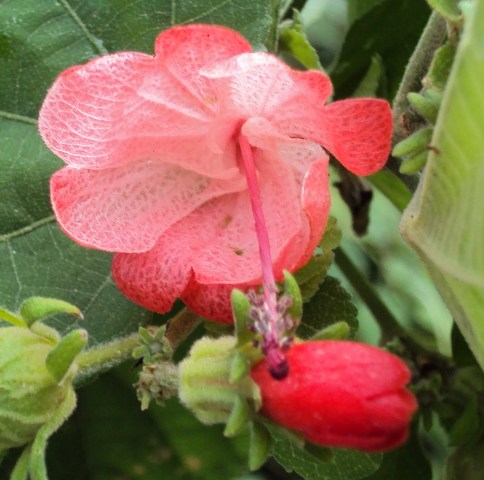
point(108, 355)
point(392, 187)
point(404, 120)
point(104, 357)
point(385, 318)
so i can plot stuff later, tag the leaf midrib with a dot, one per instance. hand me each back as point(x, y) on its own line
point(6, 237)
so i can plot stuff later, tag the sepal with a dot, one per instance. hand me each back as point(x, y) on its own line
point(335, 331)
point(38, 308)
point(239, 417)
point(61, 358)
point(260, 445)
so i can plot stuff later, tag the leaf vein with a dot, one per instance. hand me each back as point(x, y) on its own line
point(206, 13)
point(29, 228)
point(17, 118)
point(89, 36)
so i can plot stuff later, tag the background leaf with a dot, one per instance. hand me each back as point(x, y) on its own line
point(109, 438)
point(443, 222)
point(391, 30)
point(37, 41)
point(331, 304)
point(344, 464)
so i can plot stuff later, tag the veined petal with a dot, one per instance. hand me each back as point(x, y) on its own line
point(155, 279)
point(129, 106)
point(356, 131)
point(184, 50)
point(126, 208)
point(259, 84)
point(217, 242)
point(213, 300)
point(234, 257)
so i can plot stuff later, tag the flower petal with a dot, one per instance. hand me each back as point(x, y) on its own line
point(356, 131)
point(126, 208)
point(259, 84)
point(184, 50)
point(154, 279)
point(129, 106)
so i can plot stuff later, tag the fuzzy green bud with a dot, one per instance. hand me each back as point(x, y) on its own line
point(205, 386)
point(29, 393)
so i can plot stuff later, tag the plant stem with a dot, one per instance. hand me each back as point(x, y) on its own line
point(405, 122)
point(388, 323)
point(180, 326)
point(104, 357)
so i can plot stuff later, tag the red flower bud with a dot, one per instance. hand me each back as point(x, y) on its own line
point(340, 394)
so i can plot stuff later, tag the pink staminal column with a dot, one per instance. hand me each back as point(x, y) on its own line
point(268, 312)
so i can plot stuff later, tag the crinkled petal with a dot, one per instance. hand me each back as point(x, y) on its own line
point(126, 208)
point(212, 301)
point(259, 84)
point(155, 279)
point(184, 50)
point(129, 106)
point(356, 131)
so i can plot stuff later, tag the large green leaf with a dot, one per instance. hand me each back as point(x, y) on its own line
point(37, 41)
point(109, 437)
point(444, 222)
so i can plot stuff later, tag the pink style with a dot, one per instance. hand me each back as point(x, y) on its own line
point(156, 151)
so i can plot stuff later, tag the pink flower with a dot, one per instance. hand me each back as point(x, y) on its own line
point(340, 394)
point(154, 165)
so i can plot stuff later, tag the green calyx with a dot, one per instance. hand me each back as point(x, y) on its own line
point(205, 386)
point(36, 375)
point(214, 383)
point(37, 367)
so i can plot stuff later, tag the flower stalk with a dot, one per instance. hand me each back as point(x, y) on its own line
point(270, 315)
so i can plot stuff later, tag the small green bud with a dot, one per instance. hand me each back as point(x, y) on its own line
point(29, 395)
point(414, 163)
point(157, 381)
point(426, 105)
point(38, 308)
point(205, 386)
point(415, 143)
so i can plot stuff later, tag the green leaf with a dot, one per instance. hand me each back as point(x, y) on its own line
point(331, 304)
point(344, 464)
point(109, 437)
point(390, 29)
point(293, 39)
point(374, 76)
point(404, 463)
point(38, 40)
point(311, 275)
point(45, 262)
point(444, 221)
